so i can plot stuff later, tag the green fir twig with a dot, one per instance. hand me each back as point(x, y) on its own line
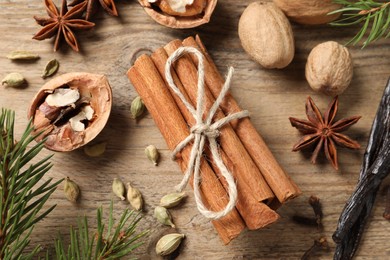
point(119, 240)
point(373, 16)
point(21, 197)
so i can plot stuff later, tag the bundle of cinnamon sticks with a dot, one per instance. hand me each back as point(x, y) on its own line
point(262, 185)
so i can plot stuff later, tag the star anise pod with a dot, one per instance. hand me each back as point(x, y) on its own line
point(61, 23)
point(324, 132)
point(108, 5)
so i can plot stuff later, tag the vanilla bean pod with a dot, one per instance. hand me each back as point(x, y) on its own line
point(375, 167)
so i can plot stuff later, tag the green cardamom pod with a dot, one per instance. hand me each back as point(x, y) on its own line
point(14, 80)
point(137, 107)
point(173, 199)
point(71, 189)
point(50, 68)
point(134, 196)
point(168, 244)
point(118, 188)
point(95, 150)
point(152, 154)
point(22, 55)
point(163, 216)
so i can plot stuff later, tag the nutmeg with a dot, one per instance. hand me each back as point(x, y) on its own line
point(266, 35)
point(309, 12)
point(329, 68)
point(179, 14)
point(71, 110)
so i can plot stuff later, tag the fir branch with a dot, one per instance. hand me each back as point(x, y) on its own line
point(373, 16)
point(120, 239)
point(21, 198)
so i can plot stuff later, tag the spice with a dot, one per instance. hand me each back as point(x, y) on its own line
point(134, 196)
point(108, 5)
point(163, 216)
point(329, 68)
point(72, 190)
point(266, 35)
point(317, 208)
point(152, 153)
point(137, 108)
point(314, 202)
point(386, 213)
point(14, 80)
point(118, 188)
point(168, 244)
point(22, 55)
point(51, 68)
point(324, 132)
point(320, 244)
point(375, 168)
point(277, 178)
point(60, 23)
point(173, 199)
point(252, 189)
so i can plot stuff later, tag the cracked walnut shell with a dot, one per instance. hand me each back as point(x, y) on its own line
point(71, 110)
point(196, 14)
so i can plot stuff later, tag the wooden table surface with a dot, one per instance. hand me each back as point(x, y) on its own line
point(271, 96)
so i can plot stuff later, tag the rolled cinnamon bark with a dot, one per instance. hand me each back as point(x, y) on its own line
point(255, 214)
point(280, 183)
point(242, 164)
point(160, 104)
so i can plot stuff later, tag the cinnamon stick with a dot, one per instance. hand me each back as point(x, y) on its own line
point(280, 183)
point(255, 214)
point(151, 87)
point(243, 166)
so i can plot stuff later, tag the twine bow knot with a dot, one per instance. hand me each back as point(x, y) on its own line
point(202, 130)
point(206, 130)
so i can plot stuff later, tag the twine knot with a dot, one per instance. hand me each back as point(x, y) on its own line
point(202, 130)
point(205, 129)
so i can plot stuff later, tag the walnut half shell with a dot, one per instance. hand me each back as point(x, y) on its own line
point(179, 22)
point(71, 110)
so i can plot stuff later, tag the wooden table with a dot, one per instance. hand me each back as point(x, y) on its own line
point(271, 96)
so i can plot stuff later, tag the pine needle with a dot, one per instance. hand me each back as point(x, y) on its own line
point(120, 239)
point(21, 197)
point(373, 16)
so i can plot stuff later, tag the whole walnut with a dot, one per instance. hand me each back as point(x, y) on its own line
point(329, 68)
point(309, 11)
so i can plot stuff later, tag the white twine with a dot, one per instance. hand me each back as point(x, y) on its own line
point(202, 130)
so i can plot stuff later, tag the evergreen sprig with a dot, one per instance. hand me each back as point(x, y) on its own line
point(21, 197)
point(374, 17)
point(119, 240)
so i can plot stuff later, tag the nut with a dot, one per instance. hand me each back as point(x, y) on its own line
point(180, 7)
point(169, 12)
point(266, 35)
point(71, 110)
point(329, 68)
point(309, 11)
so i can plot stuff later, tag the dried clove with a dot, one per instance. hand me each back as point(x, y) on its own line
point(312, 221)
point(317, 208)
point(320, 244)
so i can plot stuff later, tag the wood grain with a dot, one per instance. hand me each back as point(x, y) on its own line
point(271, 96)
